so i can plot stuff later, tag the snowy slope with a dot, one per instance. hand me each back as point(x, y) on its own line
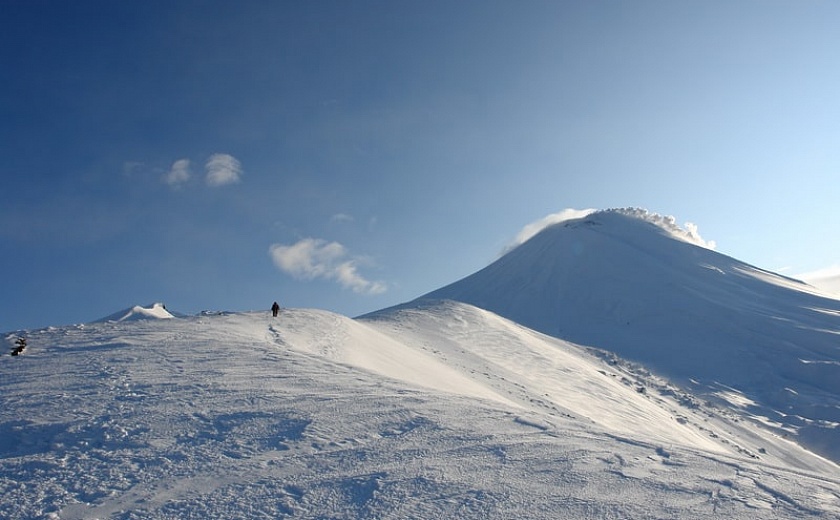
point(636, 285)
point(440, 411)
point(548, 376)
point(138, 312)
point(828, 282)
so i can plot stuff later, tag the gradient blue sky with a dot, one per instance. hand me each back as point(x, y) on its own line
point(354, 155)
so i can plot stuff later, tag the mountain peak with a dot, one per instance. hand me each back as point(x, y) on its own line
point(635, 283)
point(617, 217)
point(152, 311)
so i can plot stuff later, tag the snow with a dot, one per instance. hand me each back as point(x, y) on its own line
point(556, 374)
point(443, 409)
point(827, 280)
point(240, 415)
point(138, 312)
point(627, 282)
point(339, 340)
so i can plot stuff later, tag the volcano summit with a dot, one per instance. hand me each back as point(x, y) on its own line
point(637, 285)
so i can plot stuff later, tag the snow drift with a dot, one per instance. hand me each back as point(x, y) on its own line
point(153, 311)
point(440, 411)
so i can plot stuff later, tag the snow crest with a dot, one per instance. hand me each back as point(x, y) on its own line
point(314, 415)
point(689, 233)
point(153, 311)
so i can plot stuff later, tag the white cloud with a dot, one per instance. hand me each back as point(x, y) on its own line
point(535, 227)
point(694, 236)
point(832, 271)
point(342, 217)
point(348, 276)
point(313, 258)
point(179, 173)
point(689, 232)
point(826, 279)
point(223, 169)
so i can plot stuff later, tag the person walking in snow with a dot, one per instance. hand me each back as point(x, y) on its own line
point(275, 309)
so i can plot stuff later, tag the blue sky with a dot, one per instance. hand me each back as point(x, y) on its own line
point(354, 155)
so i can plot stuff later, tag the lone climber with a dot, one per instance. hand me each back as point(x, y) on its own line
point(275, 309)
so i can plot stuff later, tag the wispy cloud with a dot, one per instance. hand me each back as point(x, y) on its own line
point(827, 279)
point(132, 167)
point(693, 235)
point(832, 271)
point(223, 169)
point(535, 227)
point(179, 173)
point(313, 258)
point(342, 217)
point(689, 232)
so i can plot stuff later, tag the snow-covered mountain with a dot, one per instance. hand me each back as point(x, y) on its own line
point(440, 408)
point(635, 284)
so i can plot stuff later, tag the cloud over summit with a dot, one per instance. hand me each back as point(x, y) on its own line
point(689, 232)
point(555, 218)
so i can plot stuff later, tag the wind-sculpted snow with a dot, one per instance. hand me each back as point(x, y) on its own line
point(138, 312)
point(827, 280)
point(445, 411)
point(621, 282)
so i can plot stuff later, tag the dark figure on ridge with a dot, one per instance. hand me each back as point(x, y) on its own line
point(275, 309)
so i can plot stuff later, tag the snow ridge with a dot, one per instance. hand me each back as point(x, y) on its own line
point(315, 415)
point(152, 311)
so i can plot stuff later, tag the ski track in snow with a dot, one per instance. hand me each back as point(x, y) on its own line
point(446, 412)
